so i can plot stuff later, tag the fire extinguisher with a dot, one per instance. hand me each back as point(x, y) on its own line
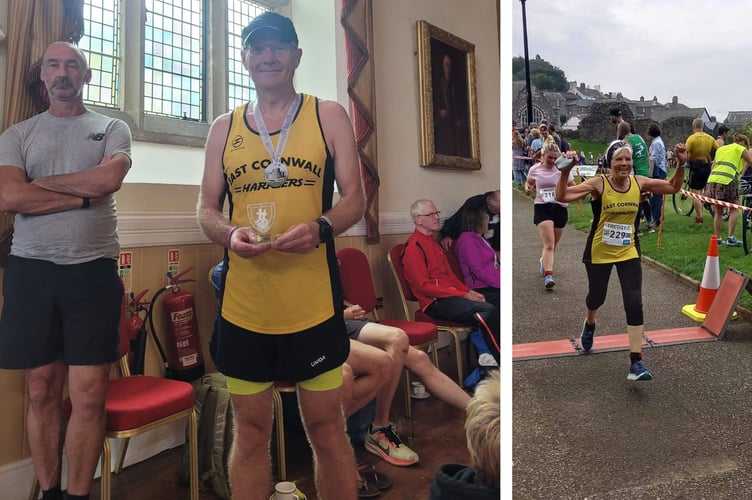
point(135, 328)
point(184, 360)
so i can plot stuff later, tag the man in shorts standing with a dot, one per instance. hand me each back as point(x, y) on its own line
point(731, 162)
point(700, 151)
point(59, 171)
point(281, 299)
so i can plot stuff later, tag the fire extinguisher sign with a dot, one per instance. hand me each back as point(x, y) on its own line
point(173, 261)
point(125, 269)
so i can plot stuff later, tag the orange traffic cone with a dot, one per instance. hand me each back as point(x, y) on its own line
point(711, 282)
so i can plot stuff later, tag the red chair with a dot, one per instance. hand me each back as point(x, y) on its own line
point(137, 404)
point(454, 263)
point(406, 295)
point(357, 284)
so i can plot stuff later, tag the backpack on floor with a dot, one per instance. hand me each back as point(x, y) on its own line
point(215, 426)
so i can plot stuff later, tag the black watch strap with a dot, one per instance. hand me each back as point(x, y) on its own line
point(326, 231)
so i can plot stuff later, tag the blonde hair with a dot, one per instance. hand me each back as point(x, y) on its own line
point(517, 140)
point(482, 429)
point(535, 133)
point(741, 139)
point(550, 147)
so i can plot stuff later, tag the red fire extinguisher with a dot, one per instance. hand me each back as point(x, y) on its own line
point(136, 331)
point(184, 360)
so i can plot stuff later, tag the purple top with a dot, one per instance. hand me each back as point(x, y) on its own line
point(480, 266)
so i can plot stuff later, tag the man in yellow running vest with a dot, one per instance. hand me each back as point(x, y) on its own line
point(275, 161)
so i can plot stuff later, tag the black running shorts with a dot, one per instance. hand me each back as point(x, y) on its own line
point(58, 312)
point(293, 357)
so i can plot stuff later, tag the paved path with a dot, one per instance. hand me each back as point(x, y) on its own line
point(581, 430)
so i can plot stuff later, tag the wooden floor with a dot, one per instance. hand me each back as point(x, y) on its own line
point(435, 432)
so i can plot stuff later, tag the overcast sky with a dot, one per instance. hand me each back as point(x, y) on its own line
point(698, 50)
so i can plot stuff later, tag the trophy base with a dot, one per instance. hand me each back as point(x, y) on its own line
point(264, 238)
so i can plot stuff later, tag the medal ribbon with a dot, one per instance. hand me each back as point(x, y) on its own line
point(275, 155)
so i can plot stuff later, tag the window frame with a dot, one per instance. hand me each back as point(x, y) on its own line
point(152, 128)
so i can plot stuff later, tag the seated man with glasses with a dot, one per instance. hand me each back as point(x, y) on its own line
point(440, 293)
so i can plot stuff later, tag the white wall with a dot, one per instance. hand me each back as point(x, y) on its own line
point(397, 98)
point(317, 24)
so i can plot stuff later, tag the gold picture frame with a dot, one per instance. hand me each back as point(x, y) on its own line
point(448, 100)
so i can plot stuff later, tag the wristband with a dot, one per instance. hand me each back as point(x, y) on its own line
point(229, 235)
point(85, 202)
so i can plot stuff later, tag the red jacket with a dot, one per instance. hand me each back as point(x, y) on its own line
point(427, 271)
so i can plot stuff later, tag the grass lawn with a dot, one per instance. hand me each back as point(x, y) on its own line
point(596, 148)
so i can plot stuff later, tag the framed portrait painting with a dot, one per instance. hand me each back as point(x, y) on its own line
point(448, 100)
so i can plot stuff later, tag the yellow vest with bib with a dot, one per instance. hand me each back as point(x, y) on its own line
point(612, 234)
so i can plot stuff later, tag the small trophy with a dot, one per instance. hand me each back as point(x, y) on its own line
point(261, 217)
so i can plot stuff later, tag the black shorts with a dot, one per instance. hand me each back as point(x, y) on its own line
point(699, 171)
point(354, 327)
point(550, 211)
point(58, 312)
point(293, 357)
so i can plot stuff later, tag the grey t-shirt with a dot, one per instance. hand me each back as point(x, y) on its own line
point(47, 145)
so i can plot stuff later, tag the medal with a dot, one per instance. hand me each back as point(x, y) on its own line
point(276, 173)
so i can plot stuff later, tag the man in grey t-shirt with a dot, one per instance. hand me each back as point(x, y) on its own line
point(58, 174)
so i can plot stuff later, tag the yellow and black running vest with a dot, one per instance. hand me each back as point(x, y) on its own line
point(612, 234)
point(278, 292)
point(728, 164)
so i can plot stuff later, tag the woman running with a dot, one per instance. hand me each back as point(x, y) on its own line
point(615, 200)
point(550, 214)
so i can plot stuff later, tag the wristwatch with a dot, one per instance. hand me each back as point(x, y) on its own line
point(326, 230)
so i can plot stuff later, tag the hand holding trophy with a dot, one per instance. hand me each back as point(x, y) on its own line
point(261, 217)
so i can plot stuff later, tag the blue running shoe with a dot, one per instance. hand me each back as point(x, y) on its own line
point(720, 241)
point(548, 281)
point(639, 372)
point(586, 337)
point(542, 270)
point(733, 242)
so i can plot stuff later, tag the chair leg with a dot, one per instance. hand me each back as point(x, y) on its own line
point(458, 353)
point(121, 454)
point(279, 427)
point(104, 483)
point(193, 430)
point(435, 354)
point(34, 493)
point(408, 399)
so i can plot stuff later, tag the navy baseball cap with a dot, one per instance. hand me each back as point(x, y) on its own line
point(270, 22)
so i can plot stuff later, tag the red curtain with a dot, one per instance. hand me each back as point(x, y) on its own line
point(32, 26)
point(357, 21)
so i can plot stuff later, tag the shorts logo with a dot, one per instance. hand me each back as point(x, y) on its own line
point(314, 363)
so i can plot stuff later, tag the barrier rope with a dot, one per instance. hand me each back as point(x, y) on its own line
point(714, 201)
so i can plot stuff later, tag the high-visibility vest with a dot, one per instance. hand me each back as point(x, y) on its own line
point(728, 164)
